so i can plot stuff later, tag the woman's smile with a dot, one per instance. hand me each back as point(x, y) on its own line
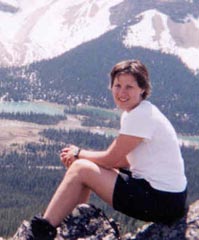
point(123, 99)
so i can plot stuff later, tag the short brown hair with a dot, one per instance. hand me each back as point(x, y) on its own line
point(138, 70)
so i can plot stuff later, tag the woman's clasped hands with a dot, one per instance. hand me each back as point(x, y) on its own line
point(67, 155)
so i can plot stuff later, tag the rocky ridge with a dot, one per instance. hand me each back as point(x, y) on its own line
point(90, 223)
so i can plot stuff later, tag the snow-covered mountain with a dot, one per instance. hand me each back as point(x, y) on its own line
point(42, 29)
point(164, 34)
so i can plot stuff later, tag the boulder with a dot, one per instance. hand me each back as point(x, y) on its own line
point(186, 228)
point(90, 223)
point(86, 222)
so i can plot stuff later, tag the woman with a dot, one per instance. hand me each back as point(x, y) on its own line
point(154, 186)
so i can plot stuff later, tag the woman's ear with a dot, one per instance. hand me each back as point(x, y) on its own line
point(142, 93)
point(143, 90)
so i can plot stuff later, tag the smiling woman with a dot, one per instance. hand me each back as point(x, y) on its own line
point(129, 86)
point(140, 174)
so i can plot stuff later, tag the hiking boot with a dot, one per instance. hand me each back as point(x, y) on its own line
point(40, 229)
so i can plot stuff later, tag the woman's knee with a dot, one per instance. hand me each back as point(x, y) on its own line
point(82, 164)
point(82, 168)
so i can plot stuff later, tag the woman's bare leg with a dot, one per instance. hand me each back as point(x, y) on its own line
point(81, 177)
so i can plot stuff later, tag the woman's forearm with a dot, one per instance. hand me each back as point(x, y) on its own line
point(101, 158)
point(113, 157)
point(106, 158)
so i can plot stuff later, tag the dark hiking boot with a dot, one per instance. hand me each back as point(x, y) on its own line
point(40, 229)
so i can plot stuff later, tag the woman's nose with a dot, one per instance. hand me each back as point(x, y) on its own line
point(122, 92)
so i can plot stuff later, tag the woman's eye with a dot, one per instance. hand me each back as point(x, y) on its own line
point(117, 86)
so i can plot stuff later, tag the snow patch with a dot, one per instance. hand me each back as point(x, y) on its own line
point(165, 43)
point(43, 29)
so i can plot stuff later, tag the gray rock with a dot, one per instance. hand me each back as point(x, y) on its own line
point(186, 228)
point(90, 223)
point(86, 222)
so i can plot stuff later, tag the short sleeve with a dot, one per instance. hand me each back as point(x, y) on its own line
point(138, 122)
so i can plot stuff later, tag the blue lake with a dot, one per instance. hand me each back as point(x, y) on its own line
point(57, 109)
point(36, 107)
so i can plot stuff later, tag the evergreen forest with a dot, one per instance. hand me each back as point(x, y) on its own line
point(30, 175)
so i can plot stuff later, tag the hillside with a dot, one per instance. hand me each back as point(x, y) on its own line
point(62, 53)
point(45, 29)
point(74, 77)
point(30, 175)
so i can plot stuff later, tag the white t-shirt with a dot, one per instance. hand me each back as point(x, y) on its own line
point(158, 158)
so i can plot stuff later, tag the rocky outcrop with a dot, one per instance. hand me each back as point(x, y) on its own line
point(186, 228)
point(86, 222)
point(90, 223)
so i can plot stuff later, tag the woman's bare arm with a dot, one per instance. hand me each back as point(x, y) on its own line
point(113, 157)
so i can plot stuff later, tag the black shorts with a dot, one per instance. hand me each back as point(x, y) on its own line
point(136, 198)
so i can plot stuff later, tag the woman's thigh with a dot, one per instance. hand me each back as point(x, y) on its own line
point(98, 179)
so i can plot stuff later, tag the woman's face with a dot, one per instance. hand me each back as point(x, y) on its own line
point(126, 92)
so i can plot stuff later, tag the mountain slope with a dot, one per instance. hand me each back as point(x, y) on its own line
point(169, 37)
point(45, 29)
point(81, 76)
point(36, 30)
